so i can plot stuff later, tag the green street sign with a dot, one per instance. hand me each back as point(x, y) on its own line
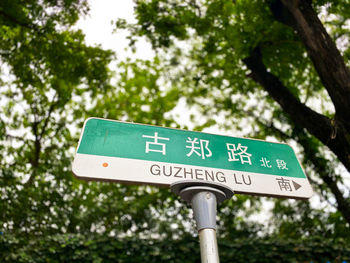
point(137, 153)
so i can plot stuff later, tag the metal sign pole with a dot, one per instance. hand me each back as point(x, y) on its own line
point(204, 198)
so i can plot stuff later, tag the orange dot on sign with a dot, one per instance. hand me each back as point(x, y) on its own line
point(105, 164)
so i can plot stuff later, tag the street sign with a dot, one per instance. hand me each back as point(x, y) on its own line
point(145, 154)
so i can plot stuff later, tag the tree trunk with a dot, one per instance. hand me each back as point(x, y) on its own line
point(326, 58)
point(335, 77)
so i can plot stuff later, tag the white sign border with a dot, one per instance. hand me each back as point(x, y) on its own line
point(133, 171)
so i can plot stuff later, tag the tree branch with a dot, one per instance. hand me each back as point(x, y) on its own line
point(36, 156)
point(13, 137)
point(330, 133)
point(15, 21)
point(51, 109)
point(38, 137)
point(322, 50)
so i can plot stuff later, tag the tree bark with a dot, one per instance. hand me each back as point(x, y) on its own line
point(326, 58)
point(323, 128)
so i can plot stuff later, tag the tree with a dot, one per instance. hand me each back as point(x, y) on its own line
point(51, 81)
point(44, 66)
point(278, 53)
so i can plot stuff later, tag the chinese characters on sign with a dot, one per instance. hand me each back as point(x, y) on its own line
point(281, 164)
point(240, 152)
point(265, 163)
point(200, 148)
point(202, 145)
point(284, 184)
point(155, 143)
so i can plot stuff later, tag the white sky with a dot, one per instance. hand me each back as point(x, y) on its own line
point(98, 28)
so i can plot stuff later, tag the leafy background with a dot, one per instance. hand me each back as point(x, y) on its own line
point(51, 81)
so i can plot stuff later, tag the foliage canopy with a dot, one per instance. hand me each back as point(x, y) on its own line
point(246, 66)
